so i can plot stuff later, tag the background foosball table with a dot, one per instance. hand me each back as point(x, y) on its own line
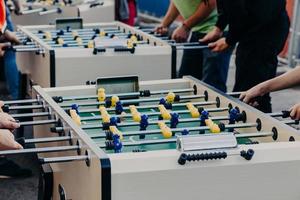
point(124, 139)
point(43, 12)
point(62, 56)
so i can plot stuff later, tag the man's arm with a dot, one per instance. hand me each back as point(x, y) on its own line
point(171, 15)
point(204, 9)
point(202, 12)
point(284, 81)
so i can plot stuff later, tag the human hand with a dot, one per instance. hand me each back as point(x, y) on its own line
point(8, 122)
point(7, 141)
point(218, 46)
point(295, 112)
point(211, 36)
point(180, 34)
point(161, 29)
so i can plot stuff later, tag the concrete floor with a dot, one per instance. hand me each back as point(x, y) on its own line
point(26, 189)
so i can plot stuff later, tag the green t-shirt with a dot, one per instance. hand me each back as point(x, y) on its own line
point(188, 7)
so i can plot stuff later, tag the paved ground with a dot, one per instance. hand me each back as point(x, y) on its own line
point(26, 189)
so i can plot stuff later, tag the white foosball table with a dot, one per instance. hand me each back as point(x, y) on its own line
point(54, 56)
point(43, 12)
point(164, 139)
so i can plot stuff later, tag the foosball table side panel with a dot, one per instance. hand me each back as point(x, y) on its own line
point(75, 179)
point(272, 174)
point(78, 70)
point(37, 19)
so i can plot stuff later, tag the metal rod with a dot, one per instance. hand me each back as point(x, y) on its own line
point(38, 114)
point(24, 101)
point(174, 140)
point(234, 93)
point(40, 150)
point(154, 122)
point(38, 122)
point(47, 139)
point(25, 12)
point(145, 100)
point(175, 130)
point(291, 122)
point(49, 11)
point(192, 47)
point(203, 103)
point(63, 159)
point(98, 117)
point(128, 94)
point(25, 107)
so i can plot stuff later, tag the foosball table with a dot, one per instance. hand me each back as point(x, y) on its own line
point(125, 139)
point(61, 55)
point(46, 12)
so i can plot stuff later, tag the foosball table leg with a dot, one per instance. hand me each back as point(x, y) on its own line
point(45, 183)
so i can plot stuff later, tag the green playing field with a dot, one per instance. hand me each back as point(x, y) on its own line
point(135, 140)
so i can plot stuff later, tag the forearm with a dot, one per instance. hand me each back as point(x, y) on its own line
point(171, 15)
point(203, 11)
point(284, 81)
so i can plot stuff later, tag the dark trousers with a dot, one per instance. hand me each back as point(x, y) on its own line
point(210, 67)
point(256, 62)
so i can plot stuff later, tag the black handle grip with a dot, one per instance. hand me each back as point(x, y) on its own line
point(286, 113)
point(203, 156)
point(21, 141)
point(5, 108)
point(124, 49)
point(248, 155)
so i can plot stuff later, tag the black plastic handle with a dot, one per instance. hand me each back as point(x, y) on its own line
point(203, 156)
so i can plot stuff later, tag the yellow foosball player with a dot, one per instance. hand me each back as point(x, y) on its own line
point(193, 110)
point(165, 130)
point(136, 116)
point(101, 95)
point(104, 114)
point(75, 117)
point(165, 114)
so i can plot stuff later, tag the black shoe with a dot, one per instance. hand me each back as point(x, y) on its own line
point(9, 169)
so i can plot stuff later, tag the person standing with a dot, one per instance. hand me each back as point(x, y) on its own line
point(199, 19)
point(261, 29)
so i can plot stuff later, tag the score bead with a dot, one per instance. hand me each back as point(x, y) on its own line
point(101, 94)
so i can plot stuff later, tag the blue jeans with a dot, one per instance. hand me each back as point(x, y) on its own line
point(205, 65)
point(10, 65)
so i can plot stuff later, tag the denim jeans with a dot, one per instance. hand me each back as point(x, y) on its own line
point(205, 65)
point(10, 65)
